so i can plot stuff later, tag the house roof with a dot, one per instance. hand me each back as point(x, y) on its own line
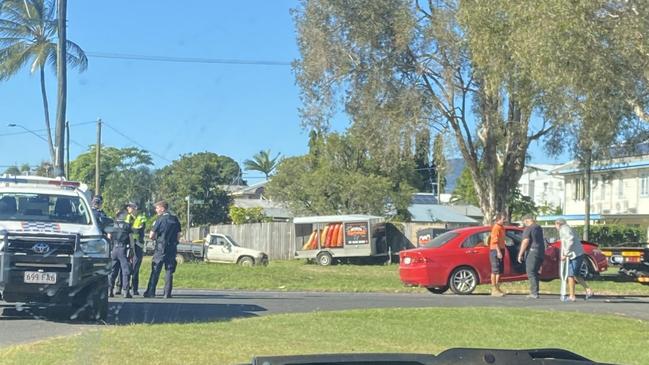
point(621, 164)
point(271, 209)
point(466, 209)
point(336, 218)
point(437, 213)
point(542, 167)
point(568, 217)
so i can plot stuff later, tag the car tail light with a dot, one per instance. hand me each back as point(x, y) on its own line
point(415, 259)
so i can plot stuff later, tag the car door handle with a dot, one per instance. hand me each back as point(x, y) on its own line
point(473, 251)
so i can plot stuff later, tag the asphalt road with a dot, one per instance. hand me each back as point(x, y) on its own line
point(20, 324)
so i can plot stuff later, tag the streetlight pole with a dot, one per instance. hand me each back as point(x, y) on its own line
point(28, 131)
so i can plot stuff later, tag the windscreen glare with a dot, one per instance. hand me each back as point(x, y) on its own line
point(43, 208)
point(441, 240)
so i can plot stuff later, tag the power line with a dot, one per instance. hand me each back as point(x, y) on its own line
point(227, 61)
point(41, 129)
point(134, 141)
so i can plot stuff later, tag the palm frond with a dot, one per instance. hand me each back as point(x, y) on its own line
point(77, 56)
point(12, 28)
point(12, 59)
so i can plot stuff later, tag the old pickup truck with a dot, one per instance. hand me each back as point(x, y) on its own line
point(217, 247)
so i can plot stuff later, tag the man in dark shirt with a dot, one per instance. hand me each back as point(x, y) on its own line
point(533, 246)
point(165, 233)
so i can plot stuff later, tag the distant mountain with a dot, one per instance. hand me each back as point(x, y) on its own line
point(455, 167)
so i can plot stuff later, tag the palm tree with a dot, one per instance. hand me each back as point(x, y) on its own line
point(28, 31)
point(262, 162)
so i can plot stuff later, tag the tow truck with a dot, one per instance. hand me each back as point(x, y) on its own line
point(632, 260)
point(52, 249)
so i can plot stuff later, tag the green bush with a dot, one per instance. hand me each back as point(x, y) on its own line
point(608, 234)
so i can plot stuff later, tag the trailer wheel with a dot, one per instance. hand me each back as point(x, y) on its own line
point(180, 259)
point(324, 258)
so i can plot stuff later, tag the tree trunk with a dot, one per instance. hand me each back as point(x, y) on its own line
point(587, 189)
point(46, 109)
point(61, 74)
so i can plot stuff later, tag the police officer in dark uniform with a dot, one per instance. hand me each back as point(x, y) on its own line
point(121, 240)
point(165, 233)
point(100, 216)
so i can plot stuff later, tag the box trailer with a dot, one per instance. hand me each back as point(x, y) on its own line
point(325, 238)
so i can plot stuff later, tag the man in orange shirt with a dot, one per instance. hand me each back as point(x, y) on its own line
point(496, 253)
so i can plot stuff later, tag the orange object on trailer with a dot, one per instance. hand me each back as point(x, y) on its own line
point(314, 244)
point(309, 242)
point(330, 231)
point(334, 235)
point(323, 236)
point(341, 232)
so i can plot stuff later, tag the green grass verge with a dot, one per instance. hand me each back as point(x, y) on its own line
point(296, 275)
point(603, 338)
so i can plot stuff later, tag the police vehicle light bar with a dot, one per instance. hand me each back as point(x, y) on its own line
point(27, 180)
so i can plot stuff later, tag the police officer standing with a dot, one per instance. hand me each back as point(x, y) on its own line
point(99, 214)
point(121, 240)
point(165, 233)
point(137, 220)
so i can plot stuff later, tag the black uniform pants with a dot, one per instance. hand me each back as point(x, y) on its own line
point(119, 263)
point(137, 262)
point(533, 263)
point(168, 260)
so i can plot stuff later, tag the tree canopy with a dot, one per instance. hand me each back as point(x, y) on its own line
point(338, 177)
point(481, 68)
point(200, 176)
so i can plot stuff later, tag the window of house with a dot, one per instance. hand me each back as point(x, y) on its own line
point(620, 188)
point(644, 185)
point(603, 190)
point(579, 191)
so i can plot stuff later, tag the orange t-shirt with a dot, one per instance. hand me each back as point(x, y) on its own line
point(497, 239)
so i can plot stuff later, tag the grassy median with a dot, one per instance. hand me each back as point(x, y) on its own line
point(296, 275)
point(603, 338)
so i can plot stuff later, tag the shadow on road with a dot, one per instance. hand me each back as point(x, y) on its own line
point(137, 311)
point(177, 312)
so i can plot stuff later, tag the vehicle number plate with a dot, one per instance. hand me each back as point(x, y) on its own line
point(407, 260)
point(35, 277)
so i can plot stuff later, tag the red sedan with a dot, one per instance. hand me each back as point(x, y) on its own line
point(459, 260)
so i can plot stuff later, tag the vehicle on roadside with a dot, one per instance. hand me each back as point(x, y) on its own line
point(326, 239)
point(459, 260)
point(218, 248)
point(632, 260)
point(52, 249)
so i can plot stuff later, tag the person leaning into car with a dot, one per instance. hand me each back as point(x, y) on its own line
point(532, 252)
point(496, 253)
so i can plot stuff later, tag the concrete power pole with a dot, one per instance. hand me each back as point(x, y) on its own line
point(98, 158)
point(61, 75)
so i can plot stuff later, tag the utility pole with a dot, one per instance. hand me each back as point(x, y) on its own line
point(98, 157)
point(61, 75)
point(67, 150)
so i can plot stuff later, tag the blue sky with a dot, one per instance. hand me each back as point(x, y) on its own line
point(171, 108)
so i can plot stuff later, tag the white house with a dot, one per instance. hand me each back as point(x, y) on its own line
point(619, 190)
point(542, 186)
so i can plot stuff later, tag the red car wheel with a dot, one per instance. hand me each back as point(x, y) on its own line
point(463, 280)
point(438, 289)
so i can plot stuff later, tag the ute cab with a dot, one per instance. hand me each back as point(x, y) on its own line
point(52, 249)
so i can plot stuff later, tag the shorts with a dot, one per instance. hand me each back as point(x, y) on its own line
point(574, 265)
point(497, 265)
